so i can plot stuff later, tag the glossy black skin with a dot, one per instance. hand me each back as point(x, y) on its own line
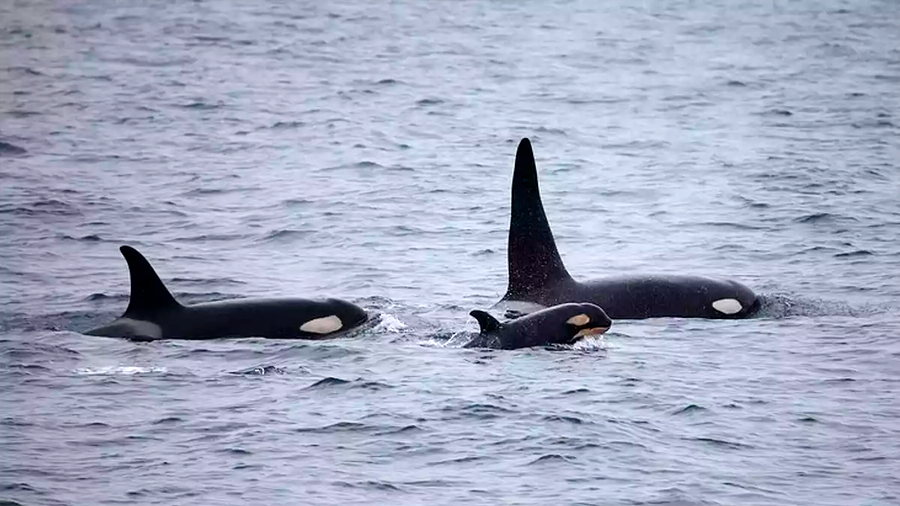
point(537, 273)
point(270, 318)
point(153, 313)
point(541, 328)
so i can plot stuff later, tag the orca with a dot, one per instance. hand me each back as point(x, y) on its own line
point(537, 274)
point(153, 313)
point(560, 324)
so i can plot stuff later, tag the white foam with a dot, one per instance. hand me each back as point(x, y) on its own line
point(125, 370)
point(389, 323)
point(727, 306)
point(591, 343)
point(324, 325)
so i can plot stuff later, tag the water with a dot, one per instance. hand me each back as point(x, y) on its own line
point(364, 151)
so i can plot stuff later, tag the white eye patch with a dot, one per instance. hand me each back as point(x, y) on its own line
point(727, 306)
point(579, 320)
point(324, 325)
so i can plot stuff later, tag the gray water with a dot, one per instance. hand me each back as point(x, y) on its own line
point(364, 151)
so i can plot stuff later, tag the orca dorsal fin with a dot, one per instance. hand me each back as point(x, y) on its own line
point(534, 261)
point(148, 293)
point(487, 322)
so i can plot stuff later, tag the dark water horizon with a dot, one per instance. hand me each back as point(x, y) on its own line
point(364, 151)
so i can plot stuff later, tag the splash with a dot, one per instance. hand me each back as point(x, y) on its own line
point(119, 370)
point(389, 323)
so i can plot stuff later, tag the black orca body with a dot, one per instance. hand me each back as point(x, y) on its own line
point(562, 324)
point(537, 274)
point(153, 313)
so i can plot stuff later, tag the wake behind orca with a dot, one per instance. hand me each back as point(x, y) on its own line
point(537, 274)
point(153, 313)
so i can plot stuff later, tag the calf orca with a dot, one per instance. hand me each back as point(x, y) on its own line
point(561, 324)
point(537, 274)
point(153, 313)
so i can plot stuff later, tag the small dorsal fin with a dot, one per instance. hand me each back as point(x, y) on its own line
point(534, 261)
point(487, 322)
point(148, 293)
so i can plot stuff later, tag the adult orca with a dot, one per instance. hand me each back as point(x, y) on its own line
point(537, 274)
point(153, 313)
point(561, 324)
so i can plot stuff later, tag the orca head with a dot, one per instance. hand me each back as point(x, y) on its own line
point(582, 320)
point(533, 260)
point(337, 315)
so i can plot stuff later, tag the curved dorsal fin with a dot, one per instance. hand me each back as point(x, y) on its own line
point(487, 322)
point(148, 293)
point(534, 261)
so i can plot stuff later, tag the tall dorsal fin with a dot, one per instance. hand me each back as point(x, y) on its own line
point(534, 261)
point(487, 322)
point(148, 293)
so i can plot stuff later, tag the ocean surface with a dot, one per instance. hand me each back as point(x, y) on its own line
point(364, 150)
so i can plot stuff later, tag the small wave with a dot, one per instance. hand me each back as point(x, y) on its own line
point(372, 385)
point(103, 296)
point(371, 484)
point(429, 101)
point(119, 370)
point(690, 408)
point(552, 458)
point(400, 430)
point(22, 114)
point(327, 382)
point(25, 70)
point(857, 253)
point(480, 411)
point(722, 443)
point(338, 427)
point(18, 486)
point(822, 218)
point(86, 238)
point(52, 207)
point(202, 106)
point(458, 460)
point(296, 202)
point(210, 237)
point(284, 125)
point(736, 83)
point(732, 225)
point(208, 281)
point(548, 130)
point(167, 420)
point(566, 419)
point(27, 369)
point(11, 149)
point(785, 306)
point(284, 234)
point(236, 451)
